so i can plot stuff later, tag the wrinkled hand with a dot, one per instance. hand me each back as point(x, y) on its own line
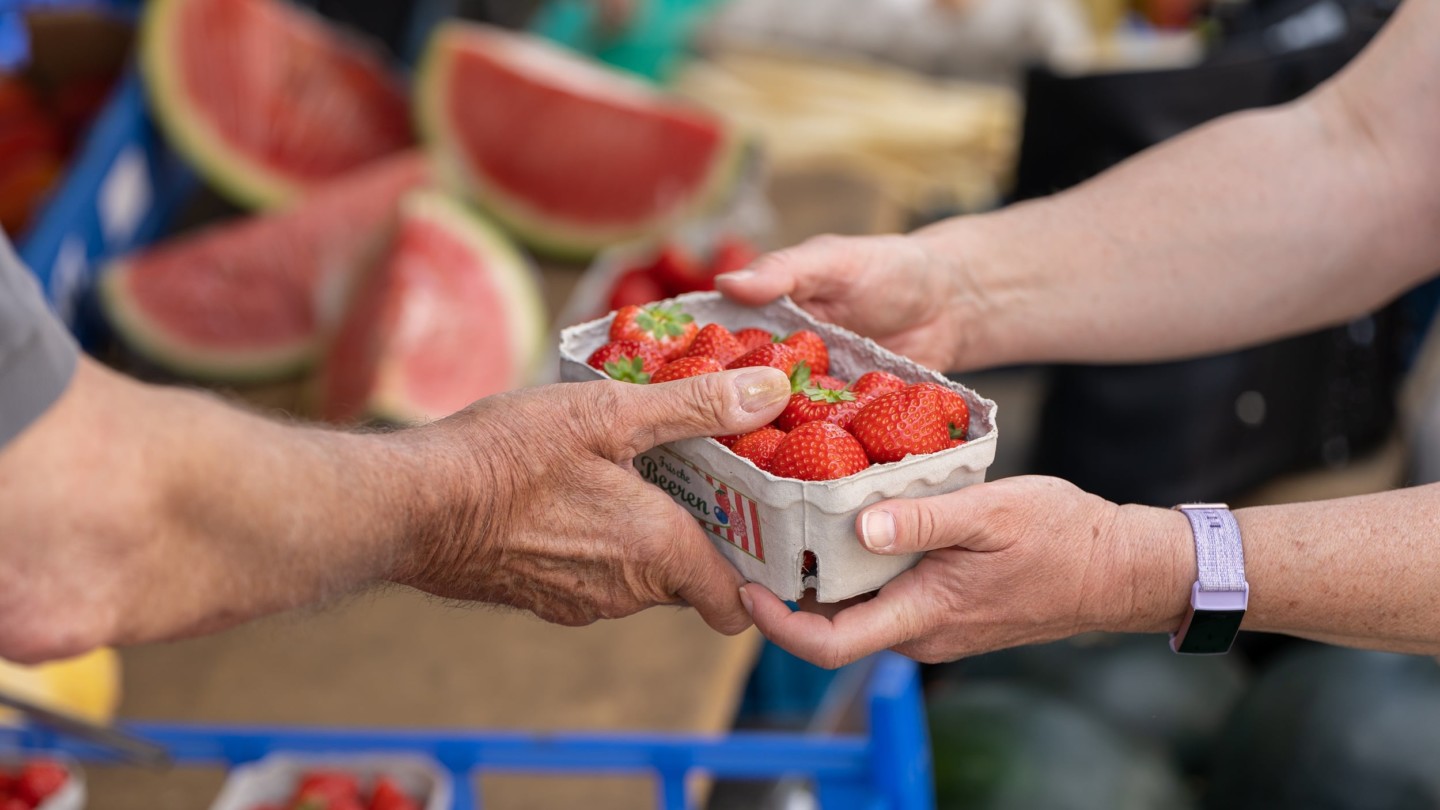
point(563, 526)
point(894, 289)
point(1017, 561)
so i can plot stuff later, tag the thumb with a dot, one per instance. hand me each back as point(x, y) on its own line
point(959, 518)
point(802, 272)
point(719, 404)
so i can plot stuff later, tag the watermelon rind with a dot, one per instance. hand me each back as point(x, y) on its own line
point(539, 232)
point(244, 181)
point(519, 289)
point(176, 355)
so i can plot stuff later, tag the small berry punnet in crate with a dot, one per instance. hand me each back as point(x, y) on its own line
point(793, 535)
point(41, 781)
point(378, 780)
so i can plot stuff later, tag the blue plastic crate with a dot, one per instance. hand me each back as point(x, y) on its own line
point(888, 768)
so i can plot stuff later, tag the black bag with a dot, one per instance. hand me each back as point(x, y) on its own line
point(1215, 427)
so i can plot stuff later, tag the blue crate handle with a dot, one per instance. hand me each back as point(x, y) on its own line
point(888, 770)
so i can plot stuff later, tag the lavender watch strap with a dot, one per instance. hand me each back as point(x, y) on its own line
point(1219, 556)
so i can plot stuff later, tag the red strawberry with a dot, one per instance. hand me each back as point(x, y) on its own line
point(826, 381)
point(715, 341)
point(751, 338)
point(388, 796)
point(635, 288)
point(728, 441)
point(876, 383)
point(680, 272)
point(732, 254)
point(813, 404)
point(39, 779)
point(326, 790)
point(809, 347)
point(627, 360)
point(759, 445)
point(818, 451)
point(773, 355)
point(668, 327)
point(919, 419)
point(14, 803)
point(686, 367)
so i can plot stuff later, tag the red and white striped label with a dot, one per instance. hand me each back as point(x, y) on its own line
point(721, 510)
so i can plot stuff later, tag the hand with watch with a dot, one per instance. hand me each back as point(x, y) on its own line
point(1021, 561)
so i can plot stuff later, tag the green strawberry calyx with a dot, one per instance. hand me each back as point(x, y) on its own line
point(956, 434)
point(628, 369)
point(663, 322)
point(800, 377)
point(830, 395)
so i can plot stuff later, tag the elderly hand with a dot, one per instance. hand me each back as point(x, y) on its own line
point(564, 526)
point(897, 290)
point(1016, 561)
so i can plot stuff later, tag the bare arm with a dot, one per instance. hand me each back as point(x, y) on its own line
point(1258, 225)
point(1027, 560)
point(131, 513)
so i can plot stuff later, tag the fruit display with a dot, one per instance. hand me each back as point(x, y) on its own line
point(451, 315)
point(828, 430)
point(674, 269)
point(30, 785)
point(266, 100)
point(252, 299)
point(339, 790)
point(568, 154)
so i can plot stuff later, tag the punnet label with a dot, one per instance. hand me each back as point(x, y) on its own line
point(722, 511)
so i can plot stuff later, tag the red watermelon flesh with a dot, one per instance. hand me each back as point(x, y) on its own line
point(569, 154)
point(249, 301)
point(268, 100)
point(453, 314)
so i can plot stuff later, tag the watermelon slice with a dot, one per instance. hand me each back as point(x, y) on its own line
point(250, 301)
point(452, 315)
point(568, 154)
point(267, 100)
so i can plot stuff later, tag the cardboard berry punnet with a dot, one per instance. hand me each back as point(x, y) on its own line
point(764, 524)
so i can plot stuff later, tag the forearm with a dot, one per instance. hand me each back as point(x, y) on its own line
point(1256, 226)
point(1358, 571)
point(133, 513)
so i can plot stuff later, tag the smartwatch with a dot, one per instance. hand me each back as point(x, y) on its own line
point(1220, 595)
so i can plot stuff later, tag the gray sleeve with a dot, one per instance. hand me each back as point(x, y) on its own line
point(37, 355)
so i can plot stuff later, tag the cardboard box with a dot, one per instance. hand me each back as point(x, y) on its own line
point(764, 524)
point(273, 780)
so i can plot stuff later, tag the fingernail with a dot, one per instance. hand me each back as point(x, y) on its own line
point(745, 600)
point(736, 275)
point(762, 387)
point(877, 530)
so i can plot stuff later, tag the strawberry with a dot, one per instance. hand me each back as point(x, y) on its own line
point(732, 254)
point(759, 445)
point(686, 367)
point(752, 338)
point(818, 451)
point(813, 404)
point(14, 803)
point(826, 381)
point(627, 360)
point(668, 327)
point(40, 779)
point(773, 355)
point(809, 347)
point(678, 271)
point(715, 341)
point(388, 796)
point(919, 419)
point(876, 383)
point(728, 441)
point(635, 287)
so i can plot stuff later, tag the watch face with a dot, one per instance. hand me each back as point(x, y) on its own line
point(1210, 631)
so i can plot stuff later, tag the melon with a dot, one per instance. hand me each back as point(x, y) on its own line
point(252, 300)
point(267, 100)
point(453, 314)
point(569, 155)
